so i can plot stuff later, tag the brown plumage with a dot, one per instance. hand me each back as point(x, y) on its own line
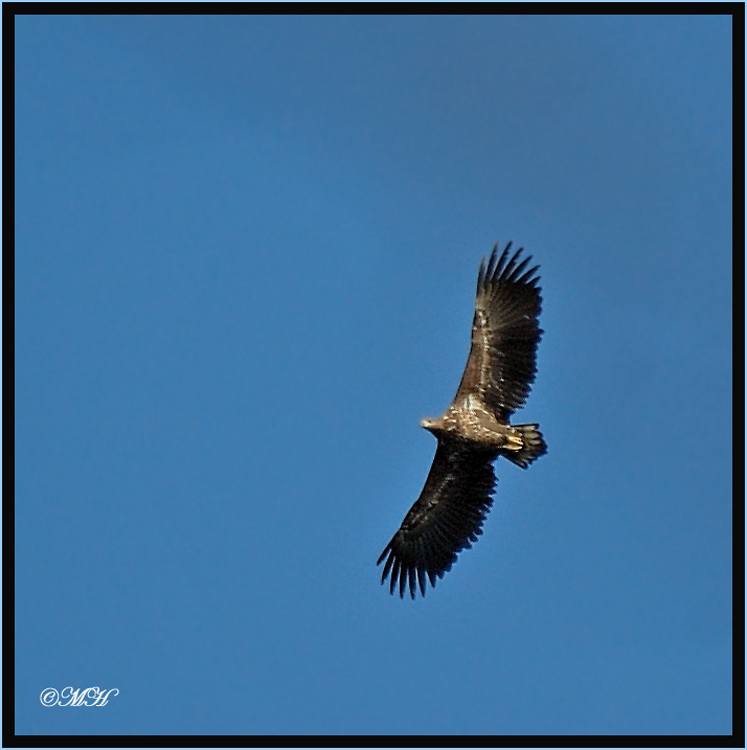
point(475, 429)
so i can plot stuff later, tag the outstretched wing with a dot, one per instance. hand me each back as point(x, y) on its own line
point(445, 519)
point(502, 362)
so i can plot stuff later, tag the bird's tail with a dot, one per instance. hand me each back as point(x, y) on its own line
point(532, 445)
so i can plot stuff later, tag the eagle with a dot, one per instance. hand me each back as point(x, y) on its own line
point(475, 430)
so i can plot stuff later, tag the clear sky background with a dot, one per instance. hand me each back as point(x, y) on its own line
point(246, 253)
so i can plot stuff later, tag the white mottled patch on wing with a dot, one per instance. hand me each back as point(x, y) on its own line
point(474, 402)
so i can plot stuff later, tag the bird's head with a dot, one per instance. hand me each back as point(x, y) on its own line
point(430, 424)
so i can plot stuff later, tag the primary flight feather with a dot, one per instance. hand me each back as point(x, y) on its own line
point(475, 429)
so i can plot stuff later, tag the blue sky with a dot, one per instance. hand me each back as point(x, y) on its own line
point(246, 251)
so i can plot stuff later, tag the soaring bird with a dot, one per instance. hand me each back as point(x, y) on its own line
point(475, 429)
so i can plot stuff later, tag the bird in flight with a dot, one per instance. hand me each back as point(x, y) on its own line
point(475, 429)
